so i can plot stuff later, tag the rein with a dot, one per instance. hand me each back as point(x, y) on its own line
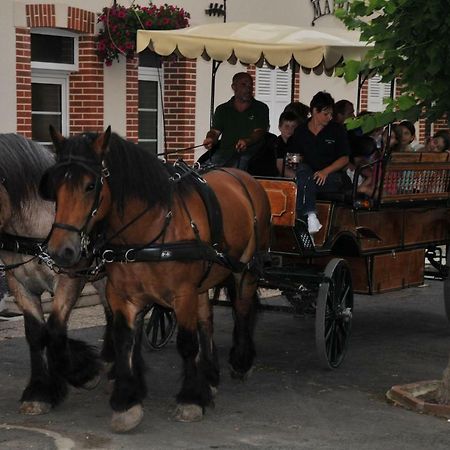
point(174, 152)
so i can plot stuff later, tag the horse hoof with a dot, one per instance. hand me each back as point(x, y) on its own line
point(188, 413)
point(34, 408)
point(92, 384)
point(241, 375)
point(124, 421)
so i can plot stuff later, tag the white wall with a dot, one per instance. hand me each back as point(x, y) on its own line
point(310, 84)
point(8, 116)
point(297, 13)
point(115, 97)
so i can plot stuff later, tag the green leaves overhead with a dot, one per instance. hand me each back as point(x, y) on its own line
point(411, 43)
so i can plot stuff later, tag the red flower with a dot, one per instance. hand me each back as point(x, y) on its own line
point(121, 24)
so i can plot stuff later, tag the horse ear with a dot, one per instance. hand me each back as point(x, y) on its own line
point(102, 142)
point(57, 137)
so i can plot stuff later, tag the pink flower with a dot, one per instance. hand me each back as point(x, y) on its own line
point(121, 14)
point(166, 21)
point(148, 23)
point(108, 62)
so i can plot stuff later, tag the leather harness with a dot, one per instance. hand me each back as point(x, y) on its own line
point(187, 250)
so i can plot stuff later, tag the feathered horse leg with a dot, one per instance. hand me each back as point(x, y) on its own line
point(72, 359)
point(129, 384)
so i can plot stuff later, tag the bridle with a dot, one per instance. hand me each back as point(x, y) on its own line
point(101, 172)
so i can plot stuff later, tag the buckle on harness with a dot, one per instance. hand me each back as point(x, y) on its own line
point(104, 257)
point(127, 259)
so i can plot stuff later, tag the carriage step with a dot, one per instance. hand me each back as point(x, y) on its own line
point(303, 237)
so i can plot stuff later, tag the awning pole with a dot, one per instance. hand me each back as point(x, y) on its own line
point(358, 98)
point(294, 66)
point(215, 66)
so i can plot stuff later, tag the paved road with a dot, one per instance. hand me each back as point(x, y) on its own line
point(289, 402)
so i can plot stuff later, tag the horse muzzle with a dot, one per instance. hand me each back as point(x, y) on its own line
point(68, 253)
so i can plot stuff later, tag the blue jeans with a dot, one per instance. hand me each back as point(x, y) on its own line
point(307, 188)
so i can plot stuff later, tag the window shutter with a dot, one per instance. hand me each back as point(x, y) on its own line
point(273, 87)
point(377, 92)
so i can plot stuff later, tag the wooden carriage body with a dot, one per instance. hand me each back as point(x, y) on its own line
point(384, 241)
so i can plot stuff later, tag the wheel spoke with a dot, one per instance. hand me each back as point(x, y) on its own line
point(162, 324)
point(328, 330)
point(155, 332)
point(343, 302)
point(344, 328)
point(330, 344)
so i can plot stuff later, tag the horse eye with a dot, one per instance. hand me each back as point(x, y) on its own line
point(90, 187)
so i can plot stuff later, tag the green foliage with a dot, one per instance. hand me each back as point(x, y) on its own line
point(411, 42)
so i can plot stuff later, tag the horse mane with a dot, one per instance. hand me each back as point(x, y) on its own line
point(135, 172)
point(22, 164)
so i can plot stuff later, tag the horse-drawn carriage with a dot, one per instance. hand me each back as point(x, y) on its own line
point(368, 245)
point(383, 238)
point(164, 241)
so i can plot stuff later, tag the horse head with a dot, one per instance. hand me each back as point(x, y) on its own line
point(77, 183)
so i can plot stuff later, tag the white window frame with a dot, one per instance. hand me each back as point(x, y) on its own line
point(57, 66)
point(273, 93)
point(54, 77)
point(157, 75)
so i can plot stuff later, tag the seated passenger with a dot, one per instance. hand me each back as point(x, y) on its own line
point(324, 147)
point(394, 140)
point(408, 141)
point(343, 110)
point(440, 142)
point(300, 110)
point(287, 124)
point(241, 123)
point(363, 148)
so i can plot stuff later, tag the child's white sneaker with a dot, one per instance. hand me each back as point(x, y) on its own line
point(313, 223)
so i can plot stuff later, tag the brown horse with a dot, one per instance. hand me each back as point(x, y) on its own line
point(169, 238)
point(56, 360)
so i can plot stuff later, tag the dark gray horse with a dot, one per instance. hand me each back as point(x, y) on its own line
point(56, 359)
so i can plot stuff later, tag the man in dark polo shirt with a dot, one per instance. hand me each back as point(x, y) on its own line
point(324, 148)
point(242, 122)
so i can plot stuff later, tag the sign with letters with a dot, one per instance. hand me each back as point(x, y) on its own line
point(323, 8)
